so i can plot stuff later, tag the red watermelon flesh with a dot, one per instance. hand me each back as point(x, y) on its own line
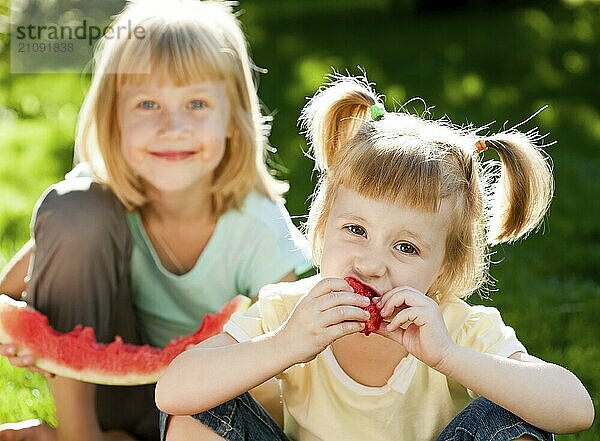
point(78, 355)
point(375, 319)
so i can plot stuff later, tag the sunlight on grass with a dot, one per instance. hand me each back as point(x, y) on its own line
point(24, 395)
point(576, 3)
point(311, 73)
point(588, 117)
point(575, 62)
point(538, 21)
point(34, 155)
point(464, 88)
point(395, 96)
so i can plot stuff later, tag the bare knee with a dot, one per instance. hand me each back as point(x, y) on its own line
point(80, 212)
point(186, 428)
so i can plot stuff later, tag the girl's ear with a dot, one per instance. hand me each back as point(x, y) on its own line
point(230, 130)
point(434, 290)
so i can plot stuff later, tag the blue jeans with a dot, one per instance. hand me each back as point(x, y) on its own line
point(244, 419)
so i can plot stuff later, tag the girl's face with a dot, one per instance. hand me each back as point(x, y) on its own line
point(174, 137)
point(383, 245)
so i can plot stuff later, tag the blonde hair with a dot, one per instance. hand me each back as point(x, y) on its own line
point(403, 158)
point(185, 41)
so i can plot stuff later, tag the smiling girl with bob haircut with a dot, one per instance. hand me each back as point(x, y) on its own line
point(404, 212)
point(171, 213)
point(207, 46)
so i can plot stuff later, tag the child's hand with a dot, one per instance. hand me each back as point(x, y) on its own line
point(22, 359)
point(329, 311)
point(418, 326)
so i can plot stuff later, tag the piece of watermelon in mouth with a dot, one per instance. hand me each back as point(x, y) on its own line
point(375, 319)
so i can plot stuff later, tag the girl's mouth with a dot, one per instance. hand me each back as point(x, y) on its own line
point(173, 155)
point(362, 288)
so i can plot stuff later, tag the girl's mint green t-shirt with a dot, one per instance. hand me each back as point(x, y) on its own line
point(249, 248)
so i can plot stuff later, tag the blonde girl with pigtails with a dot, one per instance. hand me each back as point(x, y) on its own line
point(404, 211)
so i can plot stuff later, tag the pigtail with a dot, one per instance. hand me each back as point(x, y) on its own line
point(334, 115)
point(523, 193)
point(330, 121)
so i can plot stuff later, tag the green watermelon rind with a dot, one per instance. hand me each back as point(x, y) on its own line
point(151, 356)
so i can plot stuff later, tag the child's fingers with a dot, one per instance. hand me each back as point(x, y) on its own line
point(328, 285)
point(392, 292)
point(340, 314)
point(340, 330)
point(399, 297)
point(395, 294)
point(395, 335)
point(387, 318)
point(28, 361)
point(22, 361)
point(19, 357)
point(407, 317)
point(338, 298)
point(8, 350)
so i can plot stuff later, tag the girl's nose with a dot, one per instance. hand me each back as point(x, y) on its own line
point(174, 125)
point(370, 264)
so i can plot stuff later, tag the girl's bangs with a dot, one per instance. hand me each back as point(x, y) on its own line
point(396, 176)
point(181, 55)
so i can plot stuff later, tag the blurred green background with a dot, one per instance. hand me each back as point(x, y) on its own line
point(476, 61)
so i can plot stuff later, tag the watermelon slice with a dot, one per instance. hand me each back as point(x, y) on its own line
point(375, 318)
point(78, 355)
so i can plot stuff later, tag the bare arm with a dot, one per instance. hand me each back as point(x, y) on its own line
point(12, 277)
point(189, 385)
point(544, 394)
point(266, 393)
point(220, 368)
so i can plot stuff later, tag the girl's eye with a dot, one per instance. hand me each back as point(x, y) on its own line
point(407, 248)
point(356, 230)
point(148, 105)
point(197, 104)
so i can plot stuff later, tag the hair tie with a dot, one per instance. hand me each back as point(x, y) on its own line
point(480, 146)
point(377, 111)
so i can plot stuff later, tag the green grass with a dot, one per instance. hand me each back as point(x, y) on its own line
point(473, 65)
point(25, 395)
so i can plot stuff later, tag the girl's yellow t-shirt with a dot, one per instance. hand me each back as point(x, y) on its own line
point(323, 403)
